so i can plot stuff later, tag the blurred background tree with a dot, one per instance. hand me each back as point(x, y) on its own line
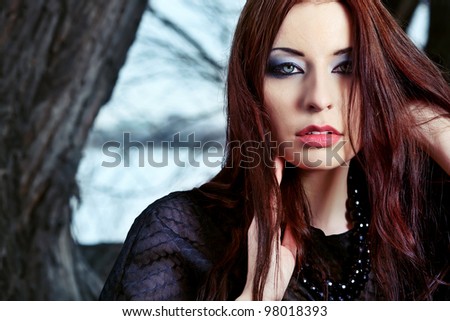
point(438, 45)
point(59, 62)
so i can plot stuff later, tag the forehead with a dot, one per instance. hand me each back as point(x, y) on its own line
point(312, 26)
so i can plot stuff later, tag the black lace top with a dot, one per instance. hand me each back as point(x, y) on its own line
point(173, 244)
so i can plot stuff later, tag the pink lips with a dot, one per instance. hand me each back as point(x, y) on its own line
point(319, 136)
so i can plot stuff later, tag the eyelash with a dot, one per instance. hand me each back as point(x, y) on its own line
point(344, 68)
point(347, 65)
point(277, 70)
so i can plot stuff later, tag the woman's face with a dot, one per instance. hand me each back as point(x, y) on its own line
point(307, 86)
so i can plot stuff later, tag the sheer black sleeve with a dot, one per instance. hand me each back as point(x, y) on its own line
point(166, 254)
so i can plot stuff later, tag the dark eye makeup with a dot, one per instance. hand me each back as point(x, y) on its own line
point(345, 68)
point(283, 69)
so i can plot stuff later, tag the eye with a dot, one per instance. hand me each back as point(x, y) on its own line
point(284, 69)
point(345, 68)
point(288, 68)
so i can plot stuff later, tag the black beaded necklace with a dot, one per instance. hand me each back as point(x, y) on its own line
point(350, 287)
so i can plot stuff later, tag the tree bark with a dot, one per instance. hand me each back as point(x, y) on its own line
point(59, 61)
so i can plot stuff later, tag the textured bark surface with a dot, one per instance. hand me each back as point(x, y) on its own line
point(59, 61)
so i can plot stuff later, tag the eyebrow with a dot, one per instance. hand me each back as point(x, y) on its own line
point(301, 54)
point(343, 51)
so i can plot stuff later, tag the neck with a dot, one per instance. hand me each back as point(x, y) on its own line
point(326, 191)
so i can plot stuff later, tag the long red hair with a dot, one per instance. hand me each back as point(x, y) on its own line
point(403, 183)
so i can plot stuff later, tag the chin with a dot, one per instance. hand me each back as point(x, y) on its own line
point(317, 159)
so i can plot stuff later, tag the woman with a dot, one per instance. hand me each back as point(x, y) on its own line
point(335, 176)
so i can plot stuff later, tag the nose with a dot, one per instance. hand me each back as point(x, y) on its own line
point(318, 93)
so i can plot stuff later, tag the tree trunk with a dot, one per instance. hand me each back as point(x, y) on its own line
point(438, 46)
point(402, 10)
point(59, 61)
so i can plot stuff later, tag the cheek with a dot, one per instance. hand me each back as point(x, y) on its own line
point(272, 107)
point(278, 102)
point(276, 123)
